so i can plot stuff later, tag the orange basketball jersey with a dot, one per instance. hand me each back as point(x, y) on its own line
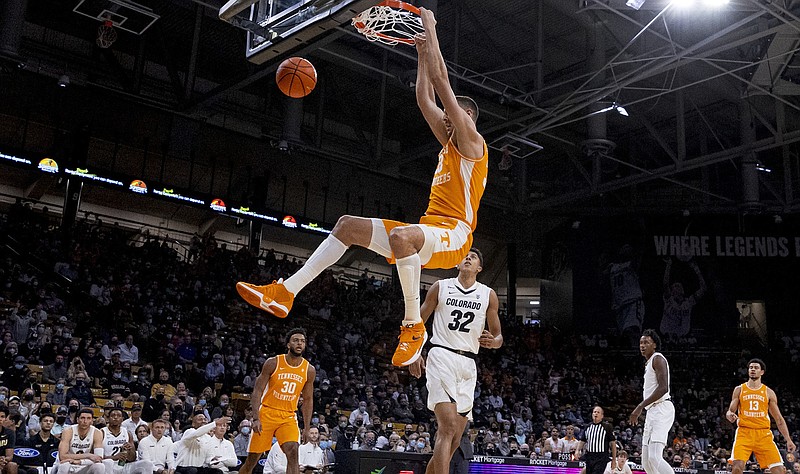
point(458, 185)
point(285, 385)
point(754, 408)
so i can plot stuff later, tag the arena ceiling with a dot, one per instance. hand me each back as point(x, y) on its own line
point(710, 93)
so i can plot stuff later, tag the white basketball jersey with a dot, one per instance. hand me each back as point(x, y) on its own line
point(460, 316)
point(113, 444)
point(80, 445)
point(651, 380)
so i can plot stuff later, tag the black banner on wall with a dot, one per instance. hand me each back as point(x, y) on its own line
point(723, 274)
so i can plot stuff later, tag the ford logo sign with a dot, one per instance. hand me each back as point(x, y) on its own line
point(26, 452)
point(54, 454)
point(262, 462)
point(238, 462)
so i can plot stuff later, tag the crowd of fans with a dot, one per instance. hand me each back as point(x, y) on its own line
point(117, 318)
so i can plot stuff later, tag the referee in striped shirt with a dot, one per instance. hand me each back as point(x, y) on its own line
point(599, 444)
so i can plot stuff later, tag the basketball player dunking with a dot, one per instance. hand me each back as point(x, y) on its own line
point(656, 400)
point(275, 395)
point(755, 402)
point(444, 234)
point(81, 448)
point(461, 308)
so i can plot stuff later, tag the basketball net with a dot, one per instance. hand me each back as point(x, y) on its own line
point(106, 35)
point(391, 22)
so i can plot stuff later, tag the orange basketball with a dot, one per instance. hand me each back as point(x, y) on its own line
point(296, 77)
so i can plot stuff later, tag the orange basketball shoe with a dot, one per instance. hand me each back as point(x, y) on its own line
point(412, 338)
point(274, 298)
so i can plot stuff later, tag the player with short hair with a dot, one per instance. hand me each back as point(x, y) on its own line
point(81, 448)
point(119, 452)
point(462, 307)
point(283, 379)
point(443, 235)
point(751, 405)
point(656, 400)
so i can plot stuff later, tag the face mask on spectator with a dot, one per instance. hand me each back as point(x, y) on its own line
point(324, 444)
point(59, 386)
point(27, 397)
point(2, 397)
point(400, 448)
point(315, 420)
point(245, 430)
point(61, 419)
point(202, 402)
point(19, 366)
point(420, 444)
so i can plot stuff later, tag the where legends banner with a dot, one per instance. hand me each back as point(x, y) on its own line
point(732, 275)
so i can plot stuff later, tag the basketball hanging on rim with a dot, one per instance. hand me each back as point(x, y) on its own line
point(390, 22)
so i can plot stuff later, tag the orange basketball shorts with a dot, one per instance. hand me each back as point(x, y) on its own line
point(757, 441)
point(280, 424)
point(447, 240)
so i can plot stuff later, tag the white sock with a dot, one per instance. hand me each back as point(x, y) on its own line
point(328, 253)
point(409, 270)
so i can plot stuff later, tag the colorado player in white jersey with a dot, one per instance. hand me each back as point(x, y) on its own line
point(656, 400)
point(119, 453)
point(462, 308)
point(81, 447)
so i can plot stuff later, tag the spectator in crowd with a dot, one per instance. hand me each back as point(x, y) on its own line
point(242, 439)
point(276, 461)
point(76, 366)
point(129, 352)
point(157, 448)
point(110, 348)
point(15, 376)
point(134, 421)
point(141, 387)
point(81, 390)
point(57, 370)
point(35, 418)
point(169, 390)
point(142, 432)
point(362, 413)
point(155, 405)
point(61, 421)
point(57, 395)
point(215, 370)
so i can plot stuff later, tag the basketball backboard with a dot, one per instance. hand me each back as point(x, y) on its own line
point(277, 27)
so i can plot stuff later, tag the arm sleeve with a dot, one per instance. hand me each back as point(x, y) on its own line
point(610, 433)
point(144, 453)
point(194, 434)
point(228, 454)
point(172, 461)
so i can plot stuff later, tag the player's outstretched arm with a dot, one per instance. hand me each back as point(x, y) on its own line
point(426, 97)
point(493, 338)
point(734, 406)
point(780, 422)
point(470, 142)
point(430, 303)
